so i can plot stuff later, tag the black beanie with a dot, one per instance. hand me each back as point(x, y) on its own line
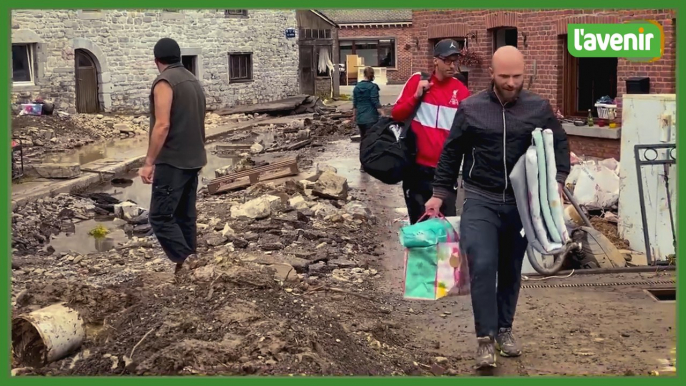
point(167, 51)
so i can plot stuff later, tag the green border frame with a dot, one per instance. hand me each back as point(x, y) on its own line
point(5, 189)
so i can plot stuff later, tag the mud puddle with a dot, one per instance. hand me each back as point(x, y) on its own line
point(115, 148)
point(78, 239)
point(135, 190)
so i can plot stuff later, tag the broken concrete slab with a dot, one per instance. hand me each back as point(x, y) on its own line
point(257, 208)
point(58, 170)
point(331, 185)
point(285, 105)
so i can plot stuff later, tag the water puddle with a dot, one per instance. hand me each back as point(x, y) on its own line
point(116, 148)
point(79, 240)
point(131, 188)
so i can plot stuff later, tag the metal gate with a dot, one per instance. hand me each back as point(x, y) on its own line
point(86, 83)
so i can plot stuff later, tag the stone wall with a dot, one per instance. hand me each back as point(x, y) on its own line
point(122, 41)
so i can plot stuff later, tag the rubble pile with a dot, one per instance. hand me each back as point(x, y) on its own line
point(62, 132)
point(280, 289)
point(34, 223)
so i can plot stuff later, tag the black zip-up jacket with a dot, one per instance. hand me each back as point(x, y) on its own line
point(492, 137)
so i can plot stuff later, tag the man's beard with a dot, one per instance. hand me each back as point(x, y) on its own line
point(511, 95)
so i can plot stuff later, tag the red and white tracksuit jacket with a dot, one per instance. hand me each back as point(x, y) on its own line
point(434, 117)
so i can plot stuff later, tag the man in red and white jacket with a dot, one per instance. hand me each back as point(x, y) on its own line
point(431, 125)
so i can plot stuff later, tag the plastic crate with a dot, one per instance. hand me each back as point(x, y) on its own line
point(604, 111)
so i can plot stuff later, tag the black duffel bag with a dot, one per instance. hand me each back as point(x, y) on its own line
point(389, 147)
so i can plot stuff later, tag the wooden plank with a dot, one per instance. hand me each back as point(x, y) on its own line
point(232, 146)
point(252, 176)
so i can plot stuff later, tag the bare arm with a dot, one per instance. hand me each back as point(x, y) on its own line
point(163, 101)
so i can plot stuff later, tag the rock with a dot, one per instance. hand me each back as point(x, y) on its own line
point(298, 202)
point(357, 210)
point(284, 272)
point(331, 185)
point(258, 208)
point(23, 298)
point(204, 273)
point(441, 360)
point(58, 170)
point(127, 210)
point(256, 148)
point(216, 239)
point(319, 268)
point(324, 209)
point(341, 263)
point(271, 246)
point(239, 242)
point(300, 265)
point(306, 184)
point(142, 229)
point(322, 168)
point(228, 231)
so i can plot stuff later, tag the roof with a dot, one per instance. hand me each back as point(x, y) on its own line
point(358, 16)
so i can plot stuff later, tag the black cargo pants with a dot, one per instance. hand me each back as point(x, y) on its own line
point(172, 210)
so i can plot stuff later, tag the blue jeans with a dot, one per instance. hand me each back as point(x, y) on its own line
point(491, 239)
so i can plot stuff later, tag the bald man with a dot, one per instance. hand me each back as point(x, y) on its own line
point(492, 130)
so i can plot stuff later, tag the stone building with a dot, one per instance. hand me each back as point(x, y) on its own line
point(571, 84)
point(102, 60)
point(381, 36)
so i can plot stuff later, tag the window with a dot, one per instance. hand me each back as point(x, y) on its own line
point(376, 52)
point(235, 12)
point(240, 67)
point(504, 37)
point(190, 62)
point(308, 33)
point(585, 81)
point(23, 63)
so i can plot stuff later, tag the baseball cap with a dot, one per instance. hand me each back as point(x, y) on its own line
point(445, 48)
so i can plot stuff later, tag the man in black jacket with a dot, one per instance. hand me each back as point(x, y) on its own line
point(492, 130)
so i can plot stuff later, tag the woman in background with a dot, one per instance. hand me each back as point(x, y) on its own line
point(366, 105)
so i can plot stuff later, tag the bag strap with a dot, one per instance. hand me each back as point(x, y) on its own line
point(408, 121)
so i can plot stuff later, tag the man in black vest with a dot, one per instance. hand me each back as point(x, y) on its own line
point(176, 153)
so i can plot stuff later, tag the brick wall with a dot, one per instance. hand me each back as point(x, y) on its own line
point(541, 38)
point(594, 147)
point(404, 57)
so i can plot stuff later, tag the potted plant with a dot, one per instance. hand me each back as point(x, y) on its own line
point(469, 59)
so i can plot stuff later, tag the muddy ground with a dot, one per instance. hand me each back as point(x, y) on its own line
point(304, 277)
point(58, 133)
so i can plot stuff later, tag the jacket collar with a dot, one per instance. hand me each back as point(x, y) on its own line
point(173, 65)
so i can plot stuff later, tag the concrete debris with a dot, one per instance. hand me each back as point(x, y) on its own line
point(57, 170)
point(331, 185)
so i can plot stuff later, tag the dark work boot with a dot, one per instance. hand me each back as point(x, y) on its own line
point(506, 343)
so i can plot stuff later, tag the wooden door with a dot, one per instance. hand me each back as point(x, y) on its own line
point(307, 70)
point(86, 83)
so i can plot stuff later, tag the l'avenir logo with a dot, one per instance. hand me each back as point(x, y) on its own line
point(636, 40)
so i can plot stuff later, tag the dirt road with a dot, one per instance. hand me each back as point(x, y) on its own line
point(316, 289)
